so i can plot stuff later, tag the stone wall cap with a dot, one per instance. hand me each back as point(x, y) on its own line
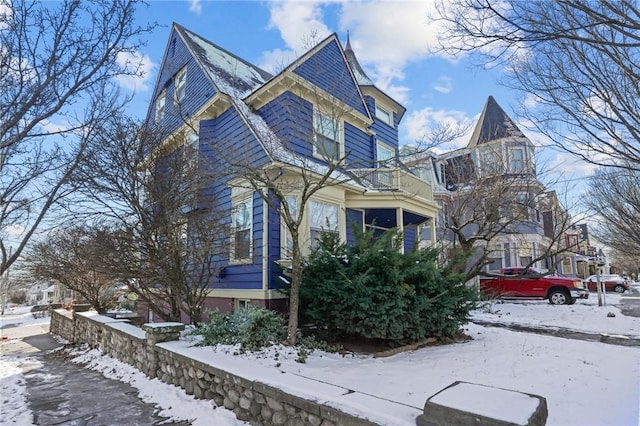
point(504, 405)
point(163, 327)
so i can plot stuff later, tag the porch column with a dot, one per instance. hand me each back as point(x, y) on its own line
point(400, 222)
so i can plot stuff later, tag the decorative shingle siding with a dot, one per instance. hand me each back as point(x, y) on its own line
point(328, 70)
point(198, 87)
point(291, 119)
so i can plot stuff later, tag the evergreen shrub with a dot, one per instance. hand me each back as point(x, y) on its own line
point(370, 289)
point(253, 328)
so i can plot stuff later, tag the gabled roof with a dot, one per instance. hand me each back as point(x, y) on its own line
point(494, 124)
point(229, 73)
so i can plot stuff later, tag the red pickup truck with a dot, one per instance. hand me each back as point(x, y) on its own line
point(532, 283)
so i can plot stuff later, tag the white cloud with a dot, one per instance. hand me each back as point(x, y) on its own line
point(301, 27)
point(195, 6)
point(136, 62)
point(387, 35)
point(275, 60)
point(420, 123)
point(51, 127)
point(444, 84)
point(12, 231)
point(300, 23)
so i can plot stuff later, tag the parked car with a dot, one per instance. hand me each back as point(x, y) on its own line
point(612, 282)
point(532, 283)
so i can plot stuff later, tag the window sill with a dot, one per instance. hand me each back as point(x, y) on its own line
point(247, 261)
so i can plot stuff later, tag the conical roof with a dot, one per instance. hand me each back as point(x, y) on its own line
point(361, 77)
point(493, 124)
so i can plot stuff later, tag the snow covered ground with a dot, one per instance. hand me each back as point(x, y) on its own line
point(585, 383)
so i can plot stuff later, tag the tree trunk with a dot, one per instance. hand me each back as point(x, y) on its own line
point(294, 296)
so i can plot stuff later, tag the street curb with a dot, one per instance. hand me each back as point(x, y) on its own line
point(566, 333)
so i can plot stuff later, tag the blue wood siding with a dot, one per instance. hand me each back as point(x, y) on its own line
point(198, 87)
point(328, 70)
point(359, 147)
point(275, 242)
point(247, 276)
point(291, 119)
point(354, 219)
point(384, 132)
point(225, 138)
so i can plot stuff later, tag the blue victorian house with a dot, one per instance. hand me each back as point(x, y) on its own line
point(321, 117)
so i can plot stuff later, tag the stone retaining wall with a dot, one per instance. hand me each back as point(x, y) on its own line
point(250, 400)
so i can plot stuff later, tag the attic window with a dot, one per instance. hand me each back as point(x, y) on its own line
point(180, 85)
point(384, 116)
point(160, 101)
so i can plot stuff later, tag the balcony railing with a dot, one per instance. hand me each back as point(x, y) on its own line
point(394, 179)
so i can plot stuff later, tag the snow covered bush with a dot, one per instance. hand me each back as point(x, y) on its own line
point(370, 289)
point(253, 328)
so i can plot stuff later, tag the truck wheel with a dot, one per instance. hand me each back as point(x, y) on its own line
point(559, 297)
point(619, 288)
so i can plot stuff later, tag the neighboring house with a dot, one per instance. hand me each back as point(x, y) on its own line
point(498, 155)
point(320, 108)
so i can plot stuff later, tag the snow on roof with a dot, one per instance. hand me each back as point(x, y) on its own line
point(231, 74)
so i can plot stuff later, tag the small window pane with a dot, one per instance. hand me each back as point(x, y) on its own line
point(383, 116)
point(160, 106)
point(517, 160)
point(180, 84)
point(242, 220)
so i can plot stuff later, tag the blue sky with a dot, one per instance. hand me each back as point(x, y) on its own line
point(392, 40)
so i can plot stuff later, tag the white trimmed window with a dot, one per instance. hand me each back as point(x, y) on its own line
point(287, 239)
point(491, 161)
point(242, 226)
point(180, 83)
point(384, 157)
point(324, 218)
point(160, 103)
point(327, 136)
point(192, 149)
point(385, 116)
point(516, 160)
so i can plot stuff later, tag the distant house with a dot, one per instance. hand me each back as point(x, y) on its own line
point(498, 156)
point(320, 108)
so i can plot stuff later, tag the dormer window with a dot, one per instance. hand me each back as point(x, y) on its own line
point(160, 101)
point(180, 85)
point(327, 136)
point(385, 116)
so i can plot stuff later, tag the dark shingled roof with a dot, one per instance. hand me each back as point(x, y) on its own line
point(361, 77)
point(493, 124)
point(231, 74)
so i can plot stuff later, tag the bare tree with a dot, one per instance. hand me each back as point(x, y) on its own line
point(487, 199)
point(167, 235)
point(289, 184)
point(614, 198)
point(58, 65)
point(577, 61)
point(72, 257)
